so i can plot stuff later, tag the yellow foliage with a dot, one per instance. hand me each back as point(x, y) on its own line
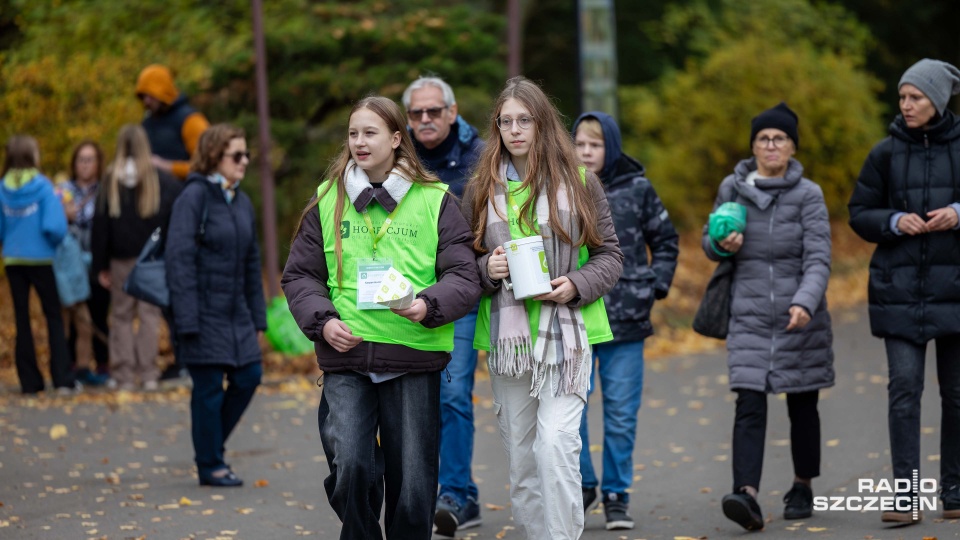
point(63, 101)
point(694, 126)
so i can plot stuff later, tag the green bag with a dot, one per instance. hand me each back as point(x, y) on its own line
point(729, 217)
point(282, 330)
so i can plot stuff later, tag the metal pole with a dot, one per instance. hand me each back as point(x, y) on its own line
point(514, 43)
point(266, 174)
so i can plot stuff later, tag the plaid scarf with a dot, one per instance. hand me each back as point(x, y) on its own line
point(561, 346)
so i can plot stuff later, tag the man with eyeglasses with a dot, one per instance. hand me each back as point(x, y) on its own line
point(450, 147)
point(172, 125)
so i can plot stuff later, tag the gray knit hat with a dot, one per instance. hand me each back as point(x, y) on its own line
point(937, 80)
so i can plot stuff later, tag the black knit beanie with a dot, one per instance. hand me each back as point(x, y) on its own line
point(779, 117)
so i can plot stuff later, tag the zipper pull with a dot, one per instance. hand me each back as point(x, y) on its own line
point(926, 142)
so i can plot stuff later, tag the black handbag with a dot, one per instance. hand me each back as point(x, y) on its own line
point(148, 279)
point(713, 315)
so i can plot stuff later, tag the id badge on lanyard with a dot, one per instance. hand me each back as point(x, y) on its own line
point(370, 272)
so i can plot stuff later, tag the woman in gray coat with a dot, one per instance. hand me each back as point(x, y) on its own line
point(779, 337)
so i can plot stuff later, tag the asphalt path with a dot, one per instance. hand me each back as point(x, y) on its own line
point(119, 466)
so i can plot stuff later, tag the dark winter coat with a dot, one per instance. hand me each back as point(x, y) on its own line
point(216, 289)
point(914, 289)
point(454, 159)
point(455, 293)
point(123, 237)
point(784, 262)
point(641, 221)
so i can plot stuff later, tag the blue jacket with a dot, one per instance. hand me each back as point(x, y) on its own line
point(454, 159)
point(32, 220)
point(216, 290)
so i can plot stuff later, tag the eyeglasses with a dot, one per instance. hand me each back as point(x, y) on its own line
point(778, 142)
point(505, 122)
point(238, 156)
point(432, 112)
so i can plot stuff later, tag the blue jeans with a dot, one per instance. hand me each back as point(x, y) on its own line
point(214, 412)
point(621, 375)
point(456, 414)
point(403, 467)
point(905, 361)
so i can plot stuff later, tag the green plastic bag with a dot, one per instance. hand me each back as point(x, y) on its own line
point(729, 217)
point(282, 330)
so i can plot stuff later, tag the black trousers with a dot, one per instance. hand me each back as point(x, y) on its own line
point(750, 431)
point(40, 277)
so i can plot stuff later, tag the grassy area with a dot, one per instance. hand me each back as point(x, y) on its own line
point(671, 317)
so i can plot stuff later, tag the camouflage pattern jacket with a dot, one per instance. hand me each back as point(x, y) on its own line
point(641, 221)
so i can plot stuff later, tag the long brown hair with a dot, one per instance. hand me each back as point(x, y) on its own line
point(132, 143)
point(404, 158)
point(552, 162)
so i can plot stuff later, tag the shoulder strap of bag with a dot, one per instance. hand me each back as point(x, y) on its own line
point(203, 220)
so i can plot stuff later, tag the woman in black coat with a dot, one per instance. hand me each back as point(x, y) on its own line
point(216, 292)
point(907, 201)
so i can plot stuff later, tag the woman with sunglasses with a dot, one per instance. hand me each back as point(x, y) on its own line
point(540, 349)
point(216, 293)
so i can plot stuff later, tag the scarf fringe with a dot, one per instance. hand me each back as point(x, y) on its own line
point(569, 377)
point(511, 356)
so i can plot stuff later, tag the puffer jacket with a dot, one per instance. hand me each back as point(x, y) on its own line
point(641, 221)
point(914, 289)
point(216, 288)
point(784, 261)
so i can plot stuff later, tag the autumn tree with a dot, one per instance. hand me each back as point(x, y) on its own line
point(693, 125)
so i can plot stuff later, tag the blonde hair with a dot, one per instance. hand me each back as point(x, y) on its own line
point(132, 143)
point(404, 158)
point(591, 128)
point(552, 162)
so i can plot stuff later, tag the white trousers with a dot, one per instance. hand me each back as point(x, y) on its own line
point(542, 439)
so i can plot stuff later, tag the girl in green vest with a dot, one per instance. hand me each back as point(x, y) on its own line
point(529, 182)
point(379, 208)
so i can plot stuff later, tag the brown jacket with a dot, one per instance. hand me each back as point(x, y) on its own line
point(454, 294)
point(593, 279)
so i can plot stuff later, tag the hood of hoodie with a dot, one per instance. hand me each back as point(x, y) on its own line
point(157, 81)
point(29, 193)
point(612, 145)
point(946, 129)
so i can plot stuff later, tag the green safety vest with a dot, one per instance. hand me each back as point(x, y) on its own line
point(410, 243)
point(594, 314)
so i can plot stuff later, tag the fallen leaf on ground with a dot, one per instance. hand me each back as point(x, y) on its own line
point(58, 431)
point(185, 501)
point(244, 511)
point(261, 483)
point(816, 529)
point(493, 506)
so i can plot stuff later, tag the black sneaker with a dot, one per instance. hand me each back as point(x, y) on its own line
point(950, 498)
point(589, 497)
point(743, 509)
point(615, 509)
point(452, 517)
point(798, 502)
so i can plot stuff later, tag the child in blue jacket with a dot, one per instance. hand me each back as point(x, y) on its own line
point(32, 225)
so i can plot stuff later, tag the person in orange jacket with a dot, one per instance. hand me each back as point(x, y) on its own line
point(173, 126)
